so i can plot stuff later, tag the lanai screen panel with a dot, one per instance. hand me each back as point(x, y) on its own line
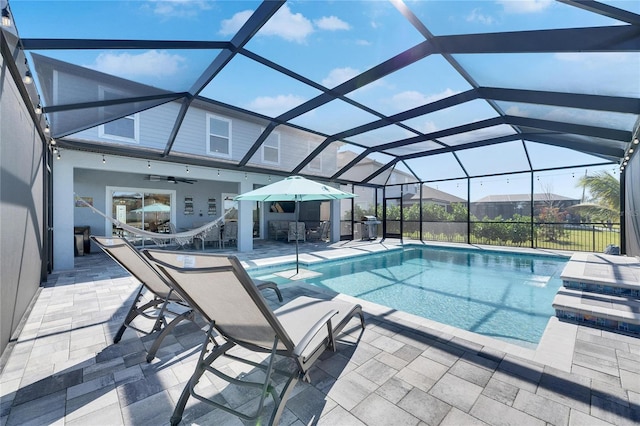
point(381, 136)
point(587, 117)
point(247, 84)
point(548, 156)
point(334, 117)
point(433, 167)
point(597, 73)
point(402, 91)
point(414, 148)
point(478, 135)
point(479, 16)
point(498, 158)
point(454, 116)
point(333, 42)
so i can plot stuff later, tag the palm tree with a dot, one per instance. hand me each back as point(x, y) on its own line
point(604, 204)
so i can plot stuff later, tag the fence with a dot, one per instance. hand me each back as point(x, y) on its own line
point(594, 237)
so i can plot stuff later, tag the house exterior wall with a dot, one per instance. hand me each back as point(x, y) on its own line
point(155, 125)
point(85, 175)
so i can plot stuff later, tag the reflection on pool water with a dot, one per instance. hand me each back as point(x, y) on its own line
point(502, 295)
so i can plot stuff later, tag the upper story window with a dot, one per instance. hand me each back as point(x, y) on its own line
point(218, 136)
point(124, 129)
point(271, 149)
point(316, 162)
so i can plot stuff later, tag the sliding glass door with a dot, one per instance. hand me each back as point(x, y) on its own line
point(151, 210)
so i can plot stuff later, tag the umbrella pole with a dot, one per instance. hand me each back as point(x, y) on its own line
point(297, 236)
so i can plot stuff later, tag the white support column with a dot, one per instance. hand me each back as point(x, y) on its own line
point(245, 219)
point(63, 213)
point(334, 230)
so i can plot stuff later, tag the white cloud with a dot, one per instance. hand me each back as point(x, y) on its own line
point(232, 25)
point(331, 23)
point(273, 106)
point(525, 6)
point(476, 16)
point(598, 59)
point(287, 25)
point(516, 111)
point(284, 24)
point(412, 98)
point(361, 42)
point(338, 76)
point(152, 63)
point(427, 127)
point(178, 8)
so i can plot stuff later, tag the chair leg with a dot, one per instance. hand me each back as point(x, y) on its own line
point(284, 396)
point(201, 367)
point(156, 343)
point(133, 312)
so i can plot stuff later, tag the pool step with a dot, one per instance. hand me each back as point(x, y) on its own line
point(601, 290)
point(600, 310)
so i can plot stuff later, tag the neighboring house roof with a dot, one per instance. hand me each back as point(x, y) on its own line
point(429, 193)
point(517, 198)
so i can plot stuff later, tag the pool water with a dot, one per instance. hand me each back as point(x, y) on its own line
point(496, 294)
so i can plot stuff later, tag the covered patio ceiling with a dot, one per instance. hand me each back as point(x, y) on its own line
point(435, 89)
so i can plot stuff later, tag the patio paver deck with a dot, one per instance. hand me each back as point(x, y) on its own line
point(63, 367)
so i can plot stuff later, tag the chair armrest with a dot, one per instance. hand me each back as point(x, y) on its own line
point(268, 284)
point(325, 320)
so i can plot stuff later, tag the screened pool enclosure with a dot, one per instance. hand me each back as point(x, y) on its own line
point(474, 121)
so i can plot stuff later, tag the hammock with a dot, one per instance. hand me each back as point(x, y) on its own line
point(161, 239)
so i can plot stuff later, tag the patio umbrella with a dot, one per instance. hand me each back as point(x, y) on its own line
point(295, 188)
point(153, 208)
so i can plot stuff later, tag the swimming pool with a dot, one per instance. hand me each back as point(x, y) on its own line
point(502, 295)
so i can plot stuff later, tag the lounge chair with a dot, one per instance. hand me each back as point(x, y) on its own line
point(219, 288)
point(320, 233)
point(166, 308)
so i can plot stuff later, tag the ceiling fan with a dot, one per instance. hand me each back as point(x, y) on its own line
point(172, 179)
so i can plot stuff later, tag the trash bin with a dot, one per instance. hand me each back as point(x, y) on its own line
point(369, 227)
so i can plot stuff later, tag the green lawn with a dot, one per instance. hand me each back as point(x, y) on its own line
point(573, 240)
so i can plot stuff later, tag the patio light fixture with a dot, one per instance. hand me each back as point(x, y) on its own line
point(187, 169)
point(28, 78)
point(103, 160)
point(38, 109)
point(148, 164)
point(6, 18)
point(53, 141)
point(47, 129)
point(636, 141)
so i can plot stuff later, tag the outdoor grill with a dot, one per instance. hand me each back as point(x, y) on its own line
point(369, 227)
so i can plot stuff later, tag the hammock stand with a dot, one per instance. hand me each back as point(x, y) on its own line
point(181, 238)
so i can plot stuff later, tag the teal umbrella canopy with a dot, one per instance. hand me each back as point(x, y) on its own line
point(295, 188)
point(153, 208)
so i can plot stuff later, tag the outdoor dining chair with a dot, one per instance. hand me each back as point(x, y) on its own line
point(220, 289)
point(166, 308)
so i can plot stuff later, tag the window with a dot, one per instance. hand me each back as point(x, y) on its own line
point(218, 136)
point(271, 149)
point(316, 162)
point(123, 129)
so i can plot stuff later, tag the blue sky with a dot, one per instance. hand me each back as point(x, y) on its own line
point(331, 42)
